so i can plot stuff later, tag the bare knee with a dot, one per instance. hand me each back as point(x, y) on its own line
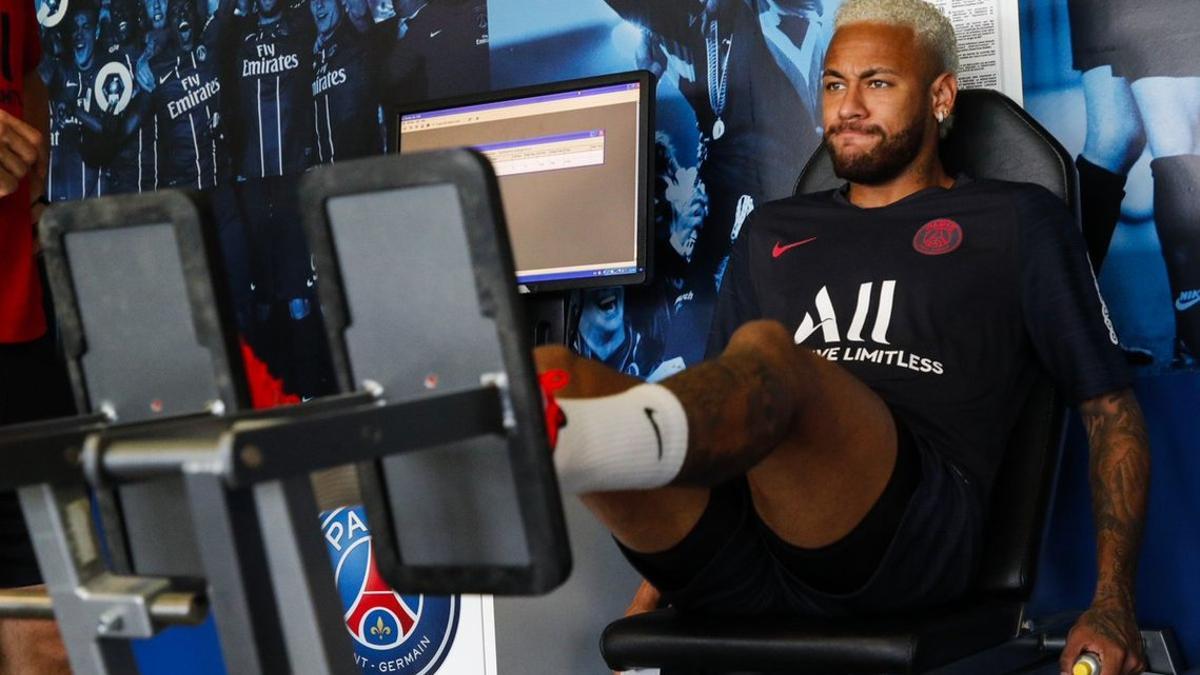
point(773, 343)
point(649, 521)
point(766, 338)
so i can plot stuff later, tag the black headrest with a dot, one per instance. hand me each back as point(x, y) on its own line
point(992, 137)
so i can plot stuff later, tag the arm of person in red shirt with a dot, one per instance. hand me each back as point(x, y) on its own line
point(23, 140)
point(22, 150)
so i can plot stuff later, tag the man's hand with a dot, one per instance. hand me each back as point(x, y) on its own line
point(645, 600)
point(1109, 630)
point(22, 149)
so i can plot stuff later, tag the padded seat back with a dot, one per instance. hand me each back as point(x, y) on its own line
point(992, 137)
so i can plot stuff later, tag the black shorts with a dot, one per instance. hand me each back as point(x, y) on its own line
point(917, 547)
point(1152, 38)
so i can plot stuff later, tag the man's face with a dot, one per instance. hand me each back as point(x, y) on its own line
point(83, 36)
point(684, 233)
point(877, 105)
point(268, 8)
point(603, 314)
point(326, 15)
point(683, 205)
point(359, 13)
point(156, 12)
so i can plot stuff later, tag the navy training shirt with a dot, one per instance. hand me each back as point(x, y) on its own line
point(943, 303)
point(187, 105)
point(70, 177)
point(273, 72)
point(344, 99)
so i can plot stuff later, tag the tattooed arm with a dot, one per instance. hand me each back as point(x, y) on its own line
point(1119, 473)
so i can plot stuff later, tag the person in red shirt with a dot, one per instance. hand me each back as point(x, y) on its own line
point(32, 383)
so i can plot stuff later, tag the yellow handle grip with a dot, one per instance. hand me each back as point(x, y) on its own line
point(1087, 664)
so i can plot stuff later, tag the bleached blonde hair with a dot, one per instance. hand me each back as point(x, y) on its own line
point(931, 26)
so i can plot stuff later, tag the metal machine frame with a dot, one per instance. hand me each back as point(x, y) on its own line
point(528, 452)
point(271, 589)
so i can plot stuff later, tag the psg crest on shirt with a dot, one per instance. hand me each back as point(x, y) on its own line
point(938, 237)
point(393, 633)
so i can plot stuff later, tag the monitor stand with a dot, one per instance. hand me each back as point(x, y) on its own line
point(546, 314)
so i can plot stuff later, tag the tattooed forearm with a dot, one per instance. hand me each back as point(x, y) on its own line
point(1120, 475)
point(739, 408)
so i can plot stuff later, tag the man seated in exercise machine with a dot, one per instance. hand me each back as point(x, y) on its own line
point(870, 352)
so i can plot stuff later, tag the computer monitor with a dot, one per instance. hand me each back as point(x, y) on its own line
point(573, 161)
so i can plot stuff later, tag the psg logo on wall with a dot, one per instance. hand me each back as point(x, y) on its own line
point(114, 87)
point(50, 13)
point(393, 633)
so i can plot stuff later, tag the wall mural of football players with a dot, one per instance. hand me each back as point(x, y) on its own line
point(112, 136)
point(753, 122)
point(443, 49)
point(602, 332)
point(273, 70)
point(1140, 69)
point(70, 86)
point(1119, 84)
point(245, 95)
point(345, 96)
point(183, 80)
point(746, 73)
point(680, 209)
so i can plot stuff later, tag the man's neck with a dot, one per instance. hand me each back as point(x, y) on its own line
point(609, 344)
point(922, 174)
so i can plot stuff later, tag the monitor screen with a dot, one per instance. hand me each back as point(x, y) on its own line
point(573, 162)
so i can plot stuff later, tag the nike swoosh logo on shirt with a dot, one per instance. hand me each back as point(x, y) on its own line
point(435, 33)
point(657, 434)
point(780, 249)
point(1187, 300)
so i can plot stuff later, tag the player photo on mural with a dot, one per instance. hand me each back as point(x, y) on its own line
point(737, 91)
point(239, 97)
point(1119, 84)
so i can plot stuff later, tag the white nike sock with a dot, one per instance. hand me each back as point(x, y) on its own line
point(635, 440)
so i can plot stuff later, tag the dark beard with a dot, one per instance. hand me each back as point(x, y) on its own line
point(884, 162)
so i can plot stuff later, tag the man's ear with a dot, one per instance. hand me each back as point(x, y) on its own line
point(944, 92)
